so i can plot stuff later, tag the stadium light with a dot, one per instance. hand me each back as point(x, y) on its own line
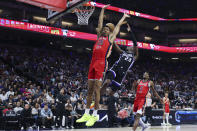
point(123, 33)
point(175, 58)
point(157, 58)
point(88, 49)
point(156, 28)
point(193, 57)
point(51, 43)
point(187, 40)
point(41, 19)
point(68, 46)
point(148, 38)
point(65, 23)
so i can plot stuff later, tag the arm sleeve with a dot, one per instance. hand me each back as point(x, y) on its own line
point(132, 36)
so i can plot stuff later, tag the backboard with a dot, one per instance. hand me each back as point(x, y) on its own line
point(71, 5)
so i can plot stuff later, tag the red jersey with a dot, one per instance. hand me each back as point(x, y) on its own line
point(142, 89)
point(102, 49)
point(167, 105)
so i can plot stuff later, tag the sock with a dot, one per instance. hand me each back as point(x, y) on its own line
point(167, 119)
point(95, 112)
point(163, 120)
point(87, 111)
point(141, 122)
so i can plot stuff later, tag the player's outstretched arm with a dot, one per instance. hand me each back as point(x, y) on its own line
point(133, 38)
point(155, 92)
point(118, 49)
point(100, 22)
point(116, 46)
point(117, 28)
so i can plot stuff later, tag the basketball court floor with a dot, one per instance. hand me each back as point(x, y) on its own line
point(153, 128)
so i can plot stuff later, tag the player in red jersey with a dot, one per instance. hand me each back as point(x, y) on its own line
point(166, 110)
point(101, 51)
point(143, 87)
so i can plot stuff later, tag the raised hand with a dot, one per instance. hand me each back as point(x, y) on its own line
point(126, 15)
point(104, 7)
point(125, 22)
point(128, 27)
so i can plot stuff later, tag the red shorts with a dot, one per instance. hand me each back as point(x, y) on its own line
point(96, 70)
point(138, 105)
point(167, 110)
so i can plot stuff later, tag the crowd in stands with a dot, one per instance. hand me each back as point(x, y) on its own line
point(43, 83)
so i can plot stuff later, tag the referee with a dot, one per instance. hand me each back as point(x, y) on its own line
point(148, 109)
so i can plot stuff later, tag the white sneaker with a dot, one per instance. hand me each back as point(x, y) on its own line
point(168, 124)
point(22, 128)
point(44, 127)
point(72, 127)
point(144, 127)
point(163, 124)
point(148, 124)
point(53, 127)
point(67, 127)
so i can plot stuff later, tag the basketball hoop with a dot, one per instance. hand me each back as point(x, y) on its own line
point(84, 12)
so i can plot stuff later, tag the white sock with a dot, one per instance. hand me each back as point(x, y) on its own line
point(95, 112)
point(87, 111)
point(163, 120)
point(167, 119)
point(141, 123)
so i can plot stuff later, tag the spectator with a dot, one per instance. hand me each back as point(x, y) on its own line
point(68, 117)
point(61, 100)
point(26, 117)
point(36, 113)
point(18, 108)
point(49, 97)
point(73, 99)
point(3, 96)
point(195, 104)
point(2, 106)
point(10, 92)
point(47, 117)
point(31, 90)
point(10, 111)
point(111, 110)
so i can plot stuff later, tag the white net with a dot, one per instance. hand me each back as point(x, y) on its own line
point(83, 13)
